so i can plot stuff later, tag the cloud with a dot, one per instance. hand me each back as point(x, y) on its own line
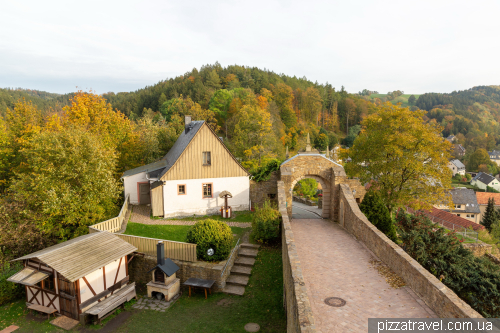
point(385, 45)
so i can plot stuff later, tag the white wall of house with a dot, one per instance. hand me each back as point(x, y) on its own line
point(494, 184)
point(455, 170)
point(130, 186)
point(96, 279)
point(193, 202)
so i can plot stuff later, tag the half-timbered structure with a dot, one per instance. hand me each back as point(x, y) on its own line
point(75, 275)
point(189, 178)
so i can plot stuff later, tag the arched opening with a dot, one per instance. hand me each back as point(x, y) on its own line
point(311, 197)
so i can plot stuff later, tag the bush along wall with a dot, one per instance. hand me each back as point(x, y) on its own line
point(476, 280)
point(266, 223)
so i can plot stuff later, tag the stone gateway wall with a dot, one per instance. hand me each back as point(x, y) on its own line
point(442, 300)
point(265, 190)
point(299, 317)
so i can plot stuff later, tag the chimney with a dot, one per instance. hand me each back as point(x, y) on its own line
point(187, 121)
point(160, 253)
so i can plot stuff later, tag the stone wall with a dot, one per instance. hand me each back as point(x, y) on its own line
point(139, 267)
point(478, 249)
point(299, 314)
point(265, 190)
point(442, 300)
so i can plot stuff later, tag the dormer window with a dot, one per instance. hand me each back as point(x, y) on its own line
point(207, 158)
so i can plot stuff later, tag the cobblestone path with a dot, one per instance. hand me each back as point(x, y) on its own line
point(142, 214)
point(335, 264)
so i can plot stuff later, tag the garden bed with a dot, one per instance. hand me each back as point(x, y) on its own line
point(242, 216)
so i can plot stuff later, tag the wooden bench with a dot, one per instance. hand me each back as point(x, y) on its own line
point(44, 309)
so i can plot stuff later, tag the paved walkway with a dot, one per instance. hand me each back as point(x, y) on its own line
point(142, 214)
point(335, 264)
point(303, 211)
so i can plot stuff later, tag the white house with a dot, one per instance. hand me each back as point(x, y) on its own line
point(482, 180)
point(456, 167)
point(188, 180)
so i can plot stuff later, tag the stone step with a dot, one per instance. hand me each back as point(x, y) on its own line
point(234, 290)
point(241, 270)
point(239, 280)
point(251, 253)
point(244, 261)
point(249, 246)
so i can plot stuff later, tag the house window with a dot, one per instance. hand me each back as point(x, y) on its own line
point(181, 189)
point(458, 214)
point(207, 158)
point(207, 190)
point(471, 215)
point(458, 206)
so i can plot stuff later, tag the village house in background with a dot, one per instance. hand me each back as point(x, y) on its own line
point(495, 156)
point(458, 150)
point(74, 277)
point(483, 180)
point(189, 178)
point(451, 138)
point(465, 204)
point(456, 167)
point(482, 200)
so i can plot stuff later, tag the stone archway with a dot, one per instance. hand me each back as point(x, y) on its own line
point(325, 213)
point(318, 167)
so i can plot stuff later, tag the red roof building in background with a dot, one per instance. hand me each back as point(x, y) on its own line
point(448, 220)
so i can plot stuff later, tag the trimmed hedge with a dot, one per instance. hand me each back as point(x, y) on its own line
point(211, 234)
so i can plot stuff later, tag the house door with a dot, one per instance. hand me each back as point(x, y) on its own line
point(67, 298)
point(144, 195)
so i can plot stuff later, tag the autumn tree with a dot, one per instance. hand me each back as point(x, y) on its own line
point(478, 158)
point(311, 104)
point(404, 156)
point(283, 96)
point(71, 181)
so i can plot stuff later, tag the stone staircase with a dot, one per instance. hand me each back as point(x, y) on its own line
point(241, 270)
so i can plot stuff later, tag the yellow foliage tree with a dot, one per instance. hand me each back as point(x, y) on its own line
point(405, 158)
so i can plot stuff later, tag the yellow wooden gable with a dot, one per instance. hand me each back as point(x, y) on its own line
point(189, 165)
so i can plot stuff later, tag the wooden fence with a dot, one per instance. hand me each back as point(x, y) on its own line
point(114, 224)
point(173, 250)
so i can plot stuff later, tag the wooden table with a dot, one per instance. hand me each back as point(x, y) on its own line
point(199, 283)
point(43, 309)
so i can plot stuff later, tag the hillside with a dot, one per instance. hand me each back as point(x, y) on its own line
point(403, 99)
point(42, 99)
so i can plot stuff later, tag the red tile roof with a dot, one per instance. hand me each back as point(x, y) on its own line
point(482, 198)
point(450, 221)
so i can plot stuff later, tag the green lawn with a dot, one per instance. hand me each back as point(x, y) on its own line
point(176, 233)
point(262, 303)
point(403, 99)
point(243, 216)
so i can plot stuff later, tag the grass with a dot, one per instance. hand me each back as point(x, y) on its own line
point(243, 216)
point(176, 233)
point(456, 183)
point(403, 99)
point(262, 303)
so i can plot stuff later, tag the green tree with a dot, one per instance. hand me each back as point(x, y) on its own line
point(378, 214)
point(308, 187)
point(311, 104)
point(69, 181)
point(162, 99)
point(480, 156)
point(219, 103)
point(213, 80)
point(490, 215)
point(283, 97)
point(412, 99)
point(406, 157)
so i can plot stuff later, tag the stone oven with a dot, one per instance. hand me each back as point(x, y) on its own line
point(165, 284)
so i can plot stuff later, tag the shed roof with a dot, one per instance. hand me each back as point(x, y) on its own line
point(484, 178)
point(146, 168)
point(82, 255)
point(445, 218)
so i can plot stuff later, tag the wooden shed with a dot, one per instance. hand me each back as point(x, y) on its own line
point(73, 276)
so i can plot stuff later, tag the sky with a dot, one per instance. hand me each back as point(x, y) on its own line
point(413, 46)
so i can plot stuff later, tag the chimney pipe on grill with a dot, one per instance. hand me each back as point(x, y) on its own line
point(187, 121)
point(160, 253)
